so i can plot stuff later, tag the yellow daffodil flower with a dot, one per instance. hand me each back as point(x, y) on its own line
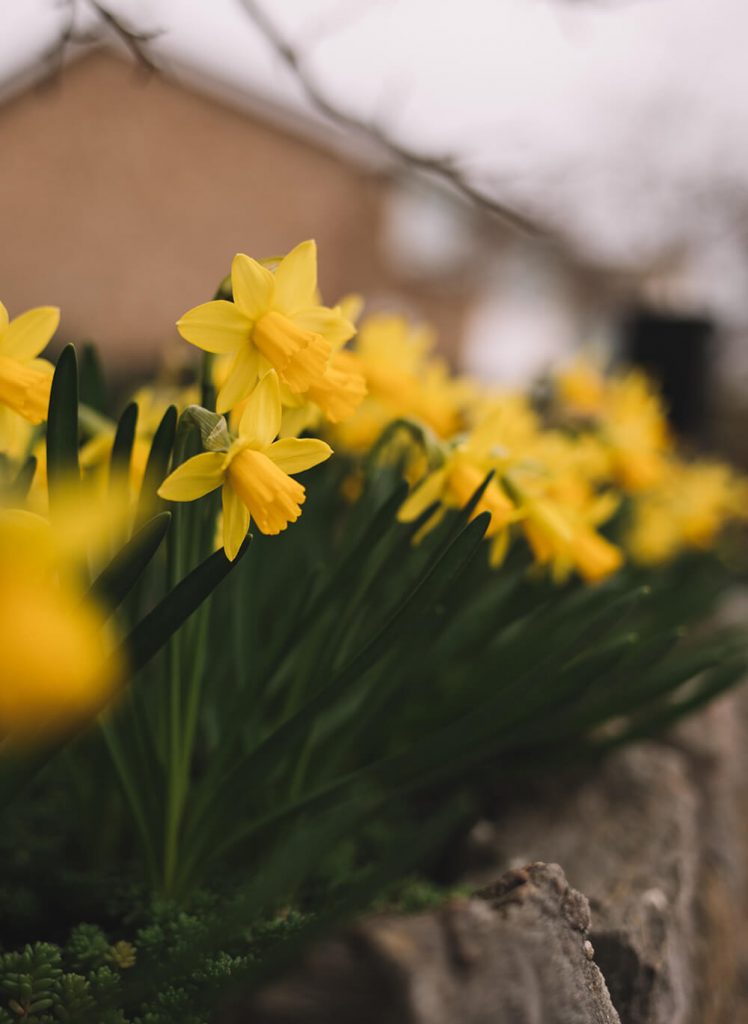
point(403, 379)
point(58, 667)
point(16, 434)
point(581, 389)
point(687, 510)
point(636, 431)
point(254, 471)
point(274, 321)
point(560, 537)
point(559, 514)
point(25, 380)
point(452, 485)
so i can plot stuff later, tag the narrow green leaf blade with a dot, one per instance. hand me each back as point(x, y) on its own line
point(92, 386)
point(157, 464)
point(150, 635)
point(124, 438)
point(120, 576)
point(62, 426)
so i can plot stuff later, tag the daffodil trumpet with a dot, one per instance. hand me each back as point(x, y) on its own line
point(255, 471)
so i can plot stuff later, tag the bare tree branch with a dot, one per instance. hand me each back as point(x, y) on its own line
point(443, 168)
point(134, 39)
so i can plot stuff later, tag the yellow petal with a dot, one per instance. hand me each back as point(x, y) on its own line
point(240, 379)
point(29, 333)
point(4, 318)
point(295, 454)
point(595, 557)
point(297, 419)
point(351, 306)
point(330, 323)
point(341, 389)
point(261, 418)
point(296, 278)
point(235, 521)
point(24, 389)
point(194, 478)
point(252, 285)
point(50, 687)
point(273, 498)
point(217, 326)
point(299, 356)
point(424, 495)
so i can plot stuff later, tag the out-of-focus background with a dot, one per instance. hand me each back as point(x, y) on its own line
point(143, 143)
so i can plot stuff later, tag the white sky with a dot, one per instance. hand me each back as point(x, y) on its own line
point(622, 120)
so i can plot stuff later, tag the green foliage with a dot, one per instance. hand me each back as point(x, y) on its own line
point(305, 725)
point(62, 426)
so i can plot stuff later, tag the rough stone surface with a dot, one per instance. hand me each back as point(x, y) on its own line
point(516, 953)
point(657, 841)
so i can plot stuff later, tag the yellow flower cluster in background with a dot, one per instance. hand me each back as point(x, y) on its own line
point(283, 364)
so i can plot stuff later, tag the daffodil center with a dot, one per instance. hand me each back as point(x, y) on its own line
point(273, 498)
point(24, 389)
point(299, 356)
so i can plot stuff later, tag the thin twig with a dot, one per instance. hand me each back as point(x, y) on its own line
point(135, 40)
point(442, 167)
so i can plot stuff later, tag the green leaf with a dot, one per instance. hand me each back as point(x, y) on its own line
point(118, 578)
point(269, 754)
point(214, 430)
point(157, 464)
point(150, 635)
point(124, 438)
point(62, 427)
point(92, 387)
point(24, 478)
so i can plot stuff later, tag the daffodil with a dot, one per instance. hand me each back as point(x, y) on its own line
point(452, 485)
point(581, 389)
point(58, 668)
point(560, 537)
point(559, 514)
point(687, 510)
point(275, 321)
point(25, 380)
point(633, 425)
point(403, 380)
point(254, 471)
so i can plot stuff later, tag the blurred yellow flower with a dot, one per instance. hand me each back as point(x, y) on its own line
point(275, 320)
point(57, 668)
point(254, 472)
point(689, 509)
point(25, 380)
point(635, 429)
point(581, 388)
point(403, 379)
point(562, 538)
point(452, 485)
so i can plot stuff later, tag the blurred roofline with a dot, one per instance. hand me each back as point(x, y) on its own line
point(301, 120)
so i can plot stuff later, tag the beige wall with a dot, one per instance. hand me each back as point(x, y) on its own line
point(122, 200)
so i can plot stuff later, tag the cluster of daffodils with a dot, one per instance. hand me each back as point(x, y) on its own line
point(674, 504)
point(591, 482)
point(284, 364)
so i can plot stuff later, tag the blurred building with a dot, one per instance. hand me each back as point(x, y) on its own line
point(124, 197)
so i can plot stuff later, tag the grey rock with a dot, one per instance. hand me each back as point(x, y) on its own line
point(518, 952)
point(658, 842)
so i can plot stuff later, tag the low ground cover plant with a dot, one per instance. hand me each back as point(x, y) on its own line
point(269, 633)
